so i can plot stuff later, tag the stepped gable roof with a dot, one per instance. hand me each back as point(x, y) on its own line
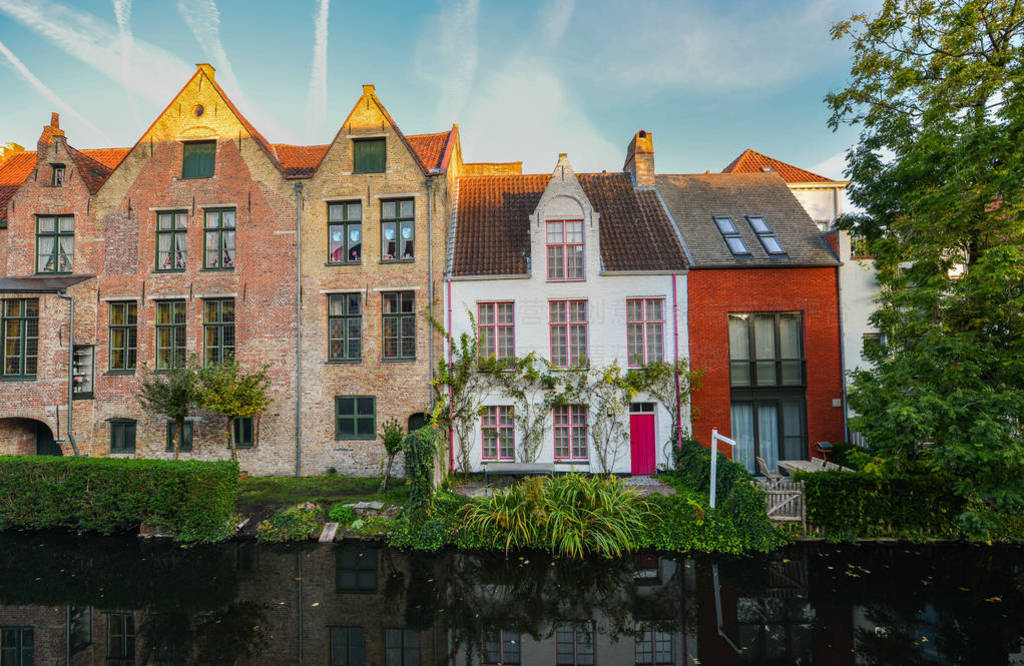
point(492, 231)
point(13, 173)
point(694, 201)
point(751, 161)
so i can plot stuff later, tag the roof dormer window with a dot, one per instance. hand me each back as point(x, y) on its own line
point(731, 236)
point(765, 235)
point(56, 175)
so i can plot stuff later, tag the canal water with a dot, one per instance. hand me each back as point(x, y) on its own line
point(120, 600)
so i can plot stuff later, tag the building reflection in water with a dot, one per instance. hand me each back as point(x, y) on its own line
point(123, 601)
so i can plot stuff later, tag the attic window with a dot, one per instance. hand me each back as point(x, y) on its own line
point(56, 175)
point(765, 235)
point(368, 156)
point(731, 236)
point(767, 169)
point(197, 158)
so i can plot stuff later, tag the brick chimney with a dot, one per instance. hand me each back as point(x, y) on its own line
point(640, 158)
point(52, 134)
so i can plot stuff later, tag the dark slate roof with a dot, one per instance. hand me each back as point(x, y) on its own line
point(693, 200)
point(492, 226)
point(41, 284)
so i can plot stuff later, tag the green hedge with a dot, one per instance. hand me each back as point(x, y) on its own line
point(192, 500)
point(859, 504)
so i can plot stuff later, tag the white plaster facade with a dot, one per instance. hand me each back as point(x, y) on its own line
point(605, 294)
point(822, 201)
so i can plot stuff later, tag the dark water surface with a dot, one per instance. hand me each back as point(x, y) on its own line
point(91, 600)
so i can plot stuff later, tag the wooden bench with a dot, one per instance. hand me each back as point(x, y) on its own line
point(515, 469)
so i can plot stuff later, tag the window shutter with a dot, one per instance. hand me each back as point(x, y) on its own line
point(369, 156)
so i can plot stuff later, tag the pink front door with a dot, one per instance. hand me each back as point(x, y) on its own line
point(641, 443)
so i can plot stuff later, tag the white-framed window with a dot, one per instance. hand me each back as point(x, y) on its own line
point(645, 330)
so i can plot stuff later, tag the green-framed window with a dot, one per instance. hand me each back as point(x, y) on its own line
point(219, 239)
point(122, 436)
point(345, 327)
point(347, 646)
point(17, 646)
point(369, 155)
point(397, 230)
point(55, 243)
point(20, 329)
point(218, 330)
point(345, 233)
point(171, 232)
point(120, 639)
point(245, 432)
point(123, 322)
point(185, 444)
point(197, 159)
point(57, 175)
point(355, 417)
point(170, 334)
point(399, 325)
point(82, 371)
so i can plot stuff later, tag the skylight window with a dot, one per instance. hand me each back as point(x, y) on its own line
point(732, 236)
point(765, 235)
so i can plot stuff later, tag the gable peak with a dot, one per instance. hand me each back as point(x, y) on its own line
point(207, 69)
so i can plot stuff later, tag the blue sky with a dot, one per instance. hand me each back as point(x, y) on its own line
point(525, 80)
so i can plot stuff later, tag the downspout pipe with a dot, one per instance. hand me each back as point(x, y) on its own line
point(71, 364)
point(430, 289)
point(451, 394)
point(298, 329)
point(675, 342)
point(842, 343)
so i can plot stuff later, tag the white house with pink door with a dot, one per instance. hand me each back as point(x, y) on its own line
point(572, 267)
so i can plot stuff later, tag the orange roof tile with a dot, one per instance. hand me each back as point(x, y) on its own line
point(299, 161)
point(94, 165)
point(13, 173)
point(751, 161)
point(433, 150)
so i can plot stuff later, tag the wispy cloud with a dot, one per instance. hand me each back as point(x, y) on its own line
point(203, 19)
point(447, 55)
point(555, 21)
point(316, 98)
point(97, 44)
point(97, 134)
point(123, 15)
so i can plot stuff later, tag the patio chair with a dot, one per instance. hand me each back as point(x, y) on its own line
point(772, 477)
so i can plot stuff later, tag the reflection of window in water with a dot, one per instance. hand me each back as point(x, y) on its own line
point(120, 639)
point(502, 647)
point(347, 646)
point(775, 628)
point(653, 647)
point(402, 647)
point(79, 628)
point(574, 644)
point(17, 645)
point(355, 570)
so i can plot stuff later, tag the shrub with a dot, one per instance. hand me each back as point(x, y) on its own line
point(866, 505)
point(296, 523)
point(342, 514)
point(192, 500)
point(420, 448)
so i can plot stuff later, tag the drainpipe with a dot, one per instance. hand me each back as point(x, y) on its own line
point(430, 291)
point(298, 329)
point(675, 343)
point(71, 362)
point(842, 345)
point(451, 411)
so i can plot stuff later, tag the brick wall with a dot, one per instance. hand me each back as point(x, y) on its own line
point(812, 291)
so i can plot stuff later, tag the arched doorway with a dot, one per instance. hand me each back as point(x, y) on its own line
point(418, 420)
point(26, 437)
point(46, 445)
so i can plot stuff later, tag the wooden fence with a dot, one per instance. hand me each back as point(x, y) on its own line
point(785, 500)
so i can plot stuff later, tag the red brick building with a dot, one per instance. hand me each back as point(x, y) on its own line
point(763, 315)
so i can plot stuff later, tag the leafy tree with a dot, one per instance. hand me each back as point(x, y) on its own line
point(670, 384)
point(937, 90)
point(225, 389)
point(392, 434)
point(170, 395)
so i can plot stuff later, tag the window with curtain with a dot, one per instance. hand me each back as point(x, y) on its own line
point(399, 325)
point(197, 159)
point(397, 230)
point(218, 330)
point(123, 336)
point(171, 233)
point(219, 239)
point(344, 327)
point(55, 243)
point(345, 233)
point(766, 349)
point(768, 427)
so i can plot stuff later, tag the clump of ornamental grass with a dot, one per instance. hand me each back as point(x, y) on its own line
point(572, 516)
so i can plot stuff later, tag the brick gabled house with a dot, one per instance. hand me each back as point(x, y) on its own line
point(575, 268)
point(185, 245)
point(763, 317)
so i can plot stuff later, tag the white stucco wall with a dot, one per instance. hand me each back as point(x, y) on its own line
point(858, 287)
point(823, 204)
point(606, 297)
